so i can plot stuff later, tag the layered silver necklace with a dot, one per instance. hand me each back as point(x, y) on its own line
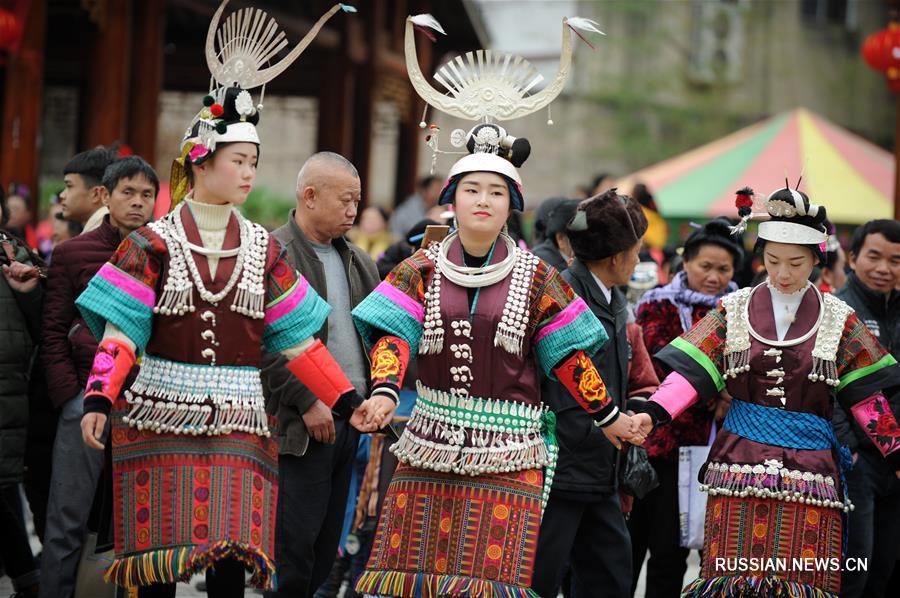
point(510, 333)
point(183, 276)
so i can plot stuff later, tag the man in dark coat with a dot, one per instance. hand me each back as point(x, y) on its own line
point(874, 523)
point(318, 448)
point(20, 307)
point(583, 521)
point(130, 188)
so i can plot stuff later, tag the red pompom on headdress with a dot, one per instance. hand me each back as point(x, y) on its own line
point(743, 200)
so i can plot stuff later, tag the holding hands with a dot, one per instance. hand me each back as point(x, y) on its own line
point(375, 413)
point(628, 428)
point(644, 423)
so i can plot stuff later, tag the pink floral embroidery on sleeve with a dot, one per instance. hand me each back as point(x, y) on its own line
point(875, 417)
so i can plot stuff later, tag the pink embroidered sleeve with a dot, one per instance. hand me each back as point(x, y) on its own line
point(675, 395)
point(875, 417)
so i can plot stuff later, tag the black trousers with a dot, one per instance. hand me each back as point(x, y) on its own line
point(312, 498)
point(593, 538)
point(225, 579)
point(654, 526)
point(873, 527)
point(15, 551)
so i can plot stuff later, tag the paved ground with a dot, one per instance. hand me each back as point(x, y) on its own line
point(190, 591)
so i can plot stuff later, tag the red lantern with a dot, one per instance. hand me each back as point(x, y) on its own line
point(872, 51)
point(10, 30)
point(881, 51)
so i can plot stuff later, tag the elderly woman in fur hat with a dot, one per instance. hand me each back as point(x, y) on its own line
point(481, 316)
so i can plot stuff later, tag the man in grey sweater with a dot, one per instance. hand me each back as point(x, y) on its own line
point(318, 447)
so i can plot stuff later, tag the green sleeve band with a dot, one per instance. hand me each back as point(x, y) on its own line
point(702, 359)
point(887, 360)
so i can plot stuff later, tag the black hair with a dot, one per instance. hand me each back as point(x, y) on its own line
point(816, 221)
point(514, 225)
point(75, 227)
point(542, 217)
point(514, 149)
point(599, 178)
point(715, 232)
point(890, 229)
point(642, 195)
point(4, 215)
point(230, 114)
point(382, 211)
point(815, 274)
point(91, 165)
point(127, 168)
point(559, 218)
point(425, 181)
point(829, 260)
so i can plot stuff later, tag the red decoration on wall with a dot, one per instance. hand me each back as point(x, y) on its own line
point(881, 51)
point(10, 30)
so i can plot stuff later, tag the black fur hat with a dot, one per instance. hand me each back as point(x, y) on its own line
point(606, 225)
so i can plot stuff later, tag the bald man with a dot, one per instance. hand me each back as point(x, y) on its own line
point(317, 447)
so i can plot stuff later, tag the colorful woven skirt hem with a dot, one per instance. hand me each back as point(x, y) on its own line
point(737, 586)
point(430, 585)
point(171, 565)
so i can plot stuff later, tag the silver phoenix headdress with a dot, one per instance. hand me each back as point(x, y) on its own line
point(487, 86)
point(239, 54)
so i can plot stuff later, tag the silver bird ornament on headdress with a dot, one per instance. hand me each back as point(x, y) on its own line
point(239, 53)
point(247, 40)
point(486, 87)
point(489, 86)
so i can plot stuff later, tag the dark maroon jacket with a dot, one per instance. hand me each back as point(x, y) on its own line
point(68, 346)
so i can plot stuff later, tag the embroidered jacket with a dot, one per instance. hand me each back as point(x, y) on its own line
point(479, 407)
point(785, 390)
point(199, 352)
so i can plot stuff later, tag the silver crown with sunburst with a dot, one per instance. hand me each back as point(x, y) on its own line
point(242, 54)
point(487, 86)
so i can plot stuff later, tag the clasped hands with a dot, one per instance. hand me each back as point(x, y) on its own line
point(629, 427)
point(375, 413)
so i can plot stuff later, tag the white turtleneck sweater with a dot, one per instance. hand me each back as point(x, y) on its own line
point(784, 308)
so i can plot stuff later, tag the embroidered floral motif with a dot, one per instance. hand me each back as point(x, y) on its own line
point(590, 385)
point(104, 362)
point(112, 362)
point(878, 421)
point(858, 348)
point(138, 256)
point(387, 361)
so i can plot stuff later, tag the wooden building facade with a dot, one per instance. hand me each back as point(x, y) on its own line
point(119, 55)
